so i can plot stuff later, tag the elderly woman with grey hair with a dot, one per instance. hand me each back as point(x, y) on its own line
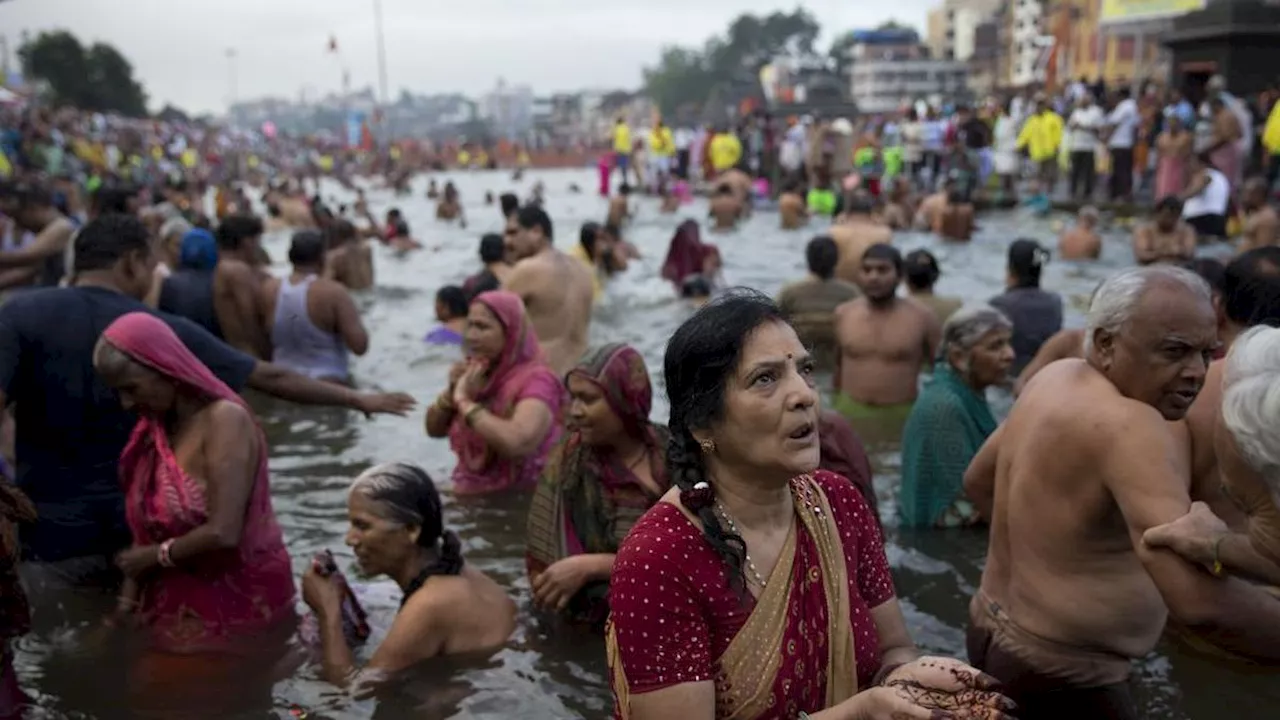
point(951, 418)
point(396, 529)
point(1247, 447)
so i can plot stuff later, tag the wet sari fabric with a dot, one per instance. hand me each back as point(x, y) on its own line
point(807, 643)
point(217, 601)
point(519, 373)
point(587, 500)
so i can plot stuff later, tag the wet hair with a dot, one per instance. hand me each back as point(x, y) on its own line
point(857, 203)
point(1251, 287)
point(234, 230)
point(821, 254)
point(884, 251)
point(307, 248)
point(701, 358)
point(967, 326)
point(454, 300)
point(107, 239)
point(532, 216)
point(113, 199)
point(406, 495)
point(1251, 402)
point(624, 189)
point(1027, 259)
point(485, 282)
point(510, 204)
point(1116, 300)
point(492, 248)
point(724, 189)
point(393, 213)
point(587, 235)
point(1210, 270)
point(1168, 203)
point(921, 269)
point(695, 286)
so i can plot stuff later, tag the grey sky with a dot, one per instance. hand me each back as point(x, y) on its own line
point(178, 47)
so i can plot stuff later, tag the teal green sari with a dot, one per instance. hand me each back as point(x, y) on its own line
point(948, 424)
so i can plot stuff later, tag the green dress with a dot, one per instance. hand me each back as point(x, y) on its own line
point(947, 426)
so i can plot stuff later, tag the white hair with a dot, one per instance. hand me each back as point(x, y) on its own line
point(1251, 401)
point(174, 226)
point(968, 325)
point(1117, 298)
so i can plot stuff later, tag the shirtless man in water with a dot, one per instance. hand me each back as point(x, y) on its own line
point(954, 220)
point(1166, 239)
point(792, 212)
point(557, 290)
point(1261, 222)
point(1086, 462)
point(350, 259)
point(620, 206)
point(726, 208)
point(1082, 241)
point(237, 283)
point(854, 231)
point(884, 342)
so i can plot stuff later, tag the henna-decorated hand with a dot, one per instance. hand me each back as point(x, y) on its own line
point(948, 685)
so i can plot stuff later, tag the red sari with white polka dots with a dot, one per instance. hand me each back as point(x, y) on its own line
point(674, 614)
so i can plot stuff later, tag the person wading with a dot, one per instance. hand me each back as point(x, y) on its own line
point(236, 283)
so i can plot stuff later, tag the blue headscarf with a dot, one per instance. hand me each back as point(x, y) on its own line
point(199, 251)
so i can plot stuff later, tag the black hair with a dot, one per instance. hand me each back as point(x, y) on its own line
point(113, 199)
point(492, 248)
point(532, 216)
point(340, 232)
point(587, 235)
point(1169, 203)
point(510, 203)
point(393, 213)
point(454, 300)
point(884, 251)
point(1026, 261)
point(1251, 288)
point(234, 230)
point(821, 254)
point(624, 189)
point(858, 203)
point(407, 495)
point(1210, 270)
point(26, 193)
point(307, 248)
point(485, 282)
point(107, 239)
point(921, 269)
point(701, 357)
point(724, 189)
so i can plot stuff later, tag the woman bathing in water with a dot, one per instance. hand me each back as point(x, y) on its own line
point(449, 607)
point(694, 267)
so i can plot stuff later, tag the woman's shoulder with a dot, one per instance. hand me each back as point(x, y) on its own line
point(842, 495)
point(662, 539)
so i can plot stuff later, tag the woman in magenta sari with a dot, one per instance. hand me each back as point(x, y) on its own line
point(502, 407)
point(208, 572)
point(757, 588)
point(692, 266)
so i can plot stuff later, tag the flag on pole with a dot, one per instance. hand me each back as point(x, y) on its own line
point(333, 43)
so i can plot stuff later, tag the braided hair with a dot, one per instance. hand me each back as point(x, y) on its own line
point(406, 494)
point(701, 357)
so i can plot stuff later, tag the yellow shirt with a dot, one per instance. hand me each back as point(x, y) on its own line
point(622, 139)
point(1041, 135)
point(1271, 131)
point(726, 151)
point(464, 157)
point(580, 253)
point(6, 169)
point(661, 144)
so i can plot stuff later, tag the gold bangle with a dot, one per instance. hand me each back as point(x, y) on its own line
point(1218, 569)
point(445, 403)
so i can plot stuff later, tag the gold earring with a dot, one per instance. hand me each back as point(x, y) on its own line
point(708, 446)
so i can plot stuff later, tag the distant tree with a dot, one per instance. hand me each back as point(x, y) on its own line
point(685, 76)
point(93, 78)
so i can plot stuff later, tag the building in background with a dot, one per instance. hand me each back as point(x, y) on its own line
point(951, 27)
point(984, 63)
point(508, 110)
point(1116, 40)
point(1026, 45)
point(885, 85)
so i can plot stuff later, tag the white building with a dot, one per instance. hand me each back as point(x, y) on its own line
point(879, 86)
point(1026, 49)
point(950, 26)
point(509, 110)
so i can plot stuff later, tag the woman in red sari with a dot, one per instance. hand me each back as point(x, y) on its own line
point(758, 588)
point(208, 573)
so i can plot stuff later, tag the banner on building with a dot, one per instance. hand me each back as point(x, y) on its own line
point(1122, 11)
point(355, 128)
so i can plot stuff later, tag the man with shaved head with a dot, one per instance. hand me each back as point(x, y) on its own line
point(1087, 461)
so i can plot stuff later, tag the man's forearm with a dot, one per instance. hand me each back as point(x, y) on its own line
point(288, 385)
point(1246, 622)
point(1237, 554)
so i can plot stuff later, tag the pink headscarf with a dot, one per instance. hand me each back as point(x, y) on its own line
point(686, 254)
point(520, 341)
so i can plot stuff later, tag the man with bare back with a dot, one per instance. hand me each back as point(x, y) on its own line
point(237, 284)
point(885, 341)
point(855, 230)
point(557, 290)
point(1166, 239)
point(1261, 222)
point(349, 260)
point(1087, 461)
point(725, 208)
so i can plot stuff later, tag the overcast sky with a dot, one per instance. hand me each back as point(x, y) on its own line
point(179, 47)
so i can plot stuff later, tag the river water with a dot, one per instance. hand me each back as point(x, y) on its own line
point(539, 674)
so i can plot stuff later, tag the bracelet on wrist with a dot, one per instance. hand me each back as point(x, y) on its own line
point(884, 673)
point(166, 553)
point(1218, 570)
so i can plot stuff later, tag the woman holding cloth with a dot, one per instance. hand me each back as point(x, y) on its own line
point(501, 409)
point(758, 588)
point(951, 419)
point(605, 473)
point(208, 572)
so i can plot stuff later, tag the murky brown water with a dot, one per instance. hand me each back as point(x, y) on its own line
point(315, 453)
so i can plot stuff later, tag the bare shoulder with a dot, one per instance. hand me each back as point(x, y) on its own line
point(850, 307)
point(229, 415)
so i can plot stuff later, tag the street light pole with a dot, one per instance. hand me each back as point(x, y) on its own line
point(382, 65)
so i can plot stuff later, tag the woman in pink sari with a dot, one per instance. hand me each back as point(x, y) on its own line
point(692, 266)
point(501, 410)
point(208, 572)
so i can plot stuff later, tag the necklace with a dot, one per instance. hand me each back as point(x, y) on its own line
point(733, 528)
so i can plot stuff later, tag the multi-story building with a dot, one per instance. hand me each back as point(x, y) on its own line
point(508, 110)
point(884, 85)
point(984, 63)
point(950, 27)
point(1027, 48)
point(1120, 52)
